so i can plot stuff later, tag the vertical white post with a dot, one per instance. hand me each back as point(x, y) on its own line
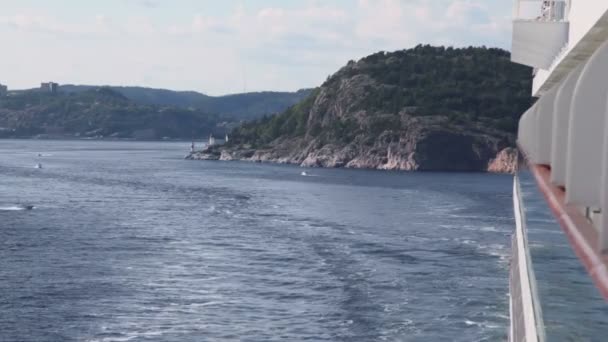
point(604, 187)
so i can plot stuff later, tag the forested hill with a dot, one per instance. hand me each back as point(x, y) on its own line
point(99, 113)
point(422, 108)
point(245, 106)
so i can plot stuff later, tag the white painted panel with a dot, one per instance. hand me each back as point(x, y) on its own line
point(527, 133)
point(584, 14)
point(559, 145)
point(533, 133)
point(520, 127)
point(521, 133)
point(537, 43)
point(586, 132)
point(544, 119)
point(531, 129)
point(604, 187)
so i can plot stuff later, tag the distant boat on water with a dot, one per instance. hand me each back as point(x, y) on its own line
point(17, 207)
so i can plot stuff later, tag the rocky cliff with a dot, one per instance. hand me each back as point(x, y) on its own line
point(429, 149)
point(425, 109)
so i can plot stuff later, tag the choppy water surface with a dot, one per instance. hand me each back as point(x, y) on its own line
point(128, 242)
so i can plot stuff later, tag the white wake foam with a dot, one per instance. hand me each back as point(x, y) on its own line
point(15, 208)
point(12, 208)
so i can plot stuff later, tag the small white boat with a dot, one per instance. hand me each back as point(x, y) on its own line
point(38, 166)
point(304, 173)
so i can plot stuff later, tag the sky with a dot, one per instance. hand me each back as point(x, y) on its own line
point(226, 46)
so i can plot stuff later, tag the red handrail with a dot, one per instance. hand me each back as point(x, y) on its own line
point(583, 237)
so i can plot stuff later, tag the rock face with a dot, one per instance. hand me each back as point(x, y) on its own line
point(429, 151)
point(206, 154)
point(505, 161)
point(387, 112)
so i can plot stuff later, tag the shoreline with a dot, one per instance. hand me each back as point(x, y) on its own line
point(505, 162)
point(71, 138)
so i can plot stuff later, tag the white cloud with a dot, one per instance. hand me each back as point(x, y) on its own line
point(460, 10)
point(48, 24)
point(271, 47)
point(31, 22)
point(140, 25)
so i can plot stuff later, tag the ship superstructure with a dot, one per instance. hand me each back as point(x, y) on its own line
point(564, 135)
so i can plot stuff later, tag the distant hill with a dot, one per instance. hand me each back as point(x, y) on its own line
point(245, 106)
point(425, 108)
point(100, 113)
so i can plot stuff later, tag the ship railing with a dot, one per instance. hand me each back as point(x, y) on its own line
point(541, 10)
point(564, 136)
point(524, 307)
